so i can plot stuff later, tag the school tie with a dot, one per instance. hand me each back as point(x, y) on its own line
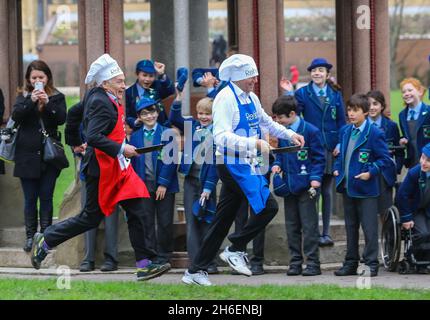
point(148, 133)
point(411, 115)
point(321, 93)
point(355, 133)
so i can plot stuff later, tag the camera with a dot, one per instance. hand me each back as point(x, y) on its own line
point(38, 86)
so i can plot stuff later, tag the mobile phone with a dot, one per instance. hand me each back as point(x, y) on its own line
point(38, 86)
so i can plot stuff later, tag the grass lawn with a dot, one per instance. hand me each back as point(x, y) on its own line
point(12, 289)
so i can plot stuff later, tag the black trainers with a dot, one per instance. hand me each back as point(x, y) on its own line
point(153, 270)
point(28, 244)
point(346, 270)
point(311, 271)
point(38, 253)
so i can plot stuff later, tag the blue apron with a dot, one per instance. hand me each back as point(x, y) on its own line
point(246, 172)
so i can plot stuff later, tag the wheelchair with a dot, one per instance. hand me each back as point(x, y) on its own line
point(390, 244)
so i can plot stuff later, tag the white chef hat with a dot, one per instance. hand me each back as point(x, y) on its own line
point(237, 67)
point(104, 68)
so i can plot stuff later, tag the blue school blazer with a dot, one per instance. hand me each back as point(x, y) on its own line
point(392, 136)
point(208, 174)
point(423, 131)
point(165, 174)
point(370, 154)
point(328, 120)
point(296, 177)
point(409, 195)
point(163, 90)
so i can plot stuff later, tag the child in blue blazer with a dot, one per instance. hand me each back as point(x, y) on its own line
point(198, 166)
point(413, 202)
point(152, 83)
point(392, 137)
point(300, 172)
point(363, 157)
point(414, 120)
point(158, 170)
point(321, 104)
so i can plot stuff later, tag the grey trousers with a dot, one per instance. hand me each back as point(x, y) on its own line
point(111, 236)
point(196, 230)
point(301, 222)
point(364, 212)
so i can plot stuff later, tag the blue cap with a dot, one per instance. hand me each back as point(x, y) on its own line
point(279, 186)
point(320, 62)
point(181, 78)
point(145, 66)
point(144, 103)
point(199, 72)
point(426, 150)
point(205, 213)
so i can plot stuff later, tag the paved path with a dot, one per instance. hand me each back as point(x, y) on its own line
point(276, 277)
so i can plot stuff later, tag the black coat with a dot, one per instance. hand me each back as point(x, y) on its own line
point(72, 131)
point(100, 118)
point(28, 153)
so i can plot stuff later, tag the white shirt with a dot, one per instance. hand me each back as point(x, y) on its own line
point(226, 117)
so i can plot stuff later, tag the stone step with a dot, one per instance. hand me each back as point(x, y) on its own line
point(16, 257)
point(337, 230)
point(336, 253)
point(12, 237)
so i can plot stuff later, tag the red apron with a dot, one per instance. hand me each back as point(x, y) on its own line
point(118, 180)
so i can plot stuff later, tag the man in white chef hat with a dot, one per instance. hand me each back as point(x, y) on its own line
point(238, 122)
point(109, 179)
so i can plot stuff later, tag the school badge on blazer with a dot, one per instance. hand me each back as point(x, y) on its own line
point(302, 155)
point(363, 157)
point(333, 112)
point(426, 132)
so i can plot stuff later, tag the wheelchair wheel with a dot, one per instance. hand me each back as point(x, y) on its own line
point(390, 240)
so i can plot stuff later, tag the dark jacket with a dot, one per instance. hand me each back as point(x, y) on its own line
point(422, 132)
point(29, 144)
point(1, 106)
point(370, 154)
point(410, 198)
point(329, 118)
point(160, 89)
point(164, 171)
point(100, 117)
point(309, 159)
point(72, 130)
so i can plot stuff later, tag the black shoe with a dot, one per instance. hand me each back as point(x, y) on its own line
point(28, 244)
point(86, 266)
point(325, 241)
point(311, 271)
point(38, 252)
point(373, 272)
point(294, 271)
point(108, 266)
point(151, 271)
point(257, 270)
point(346, 270)
point(212, 269)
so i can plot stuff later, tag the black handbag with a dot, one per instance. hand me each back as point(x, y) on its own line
point(8, 138)
point(53, 150)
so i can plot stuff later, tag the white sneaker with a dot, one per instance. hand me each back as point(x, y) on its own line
point(200, 278)
point(238, 260)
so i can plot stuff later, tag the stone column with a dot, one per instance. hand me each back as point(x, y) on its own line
point(270, 43)
point(162, 34)
point(182, 46)
point(382, 50)
point(91, 33)
point(11, 197)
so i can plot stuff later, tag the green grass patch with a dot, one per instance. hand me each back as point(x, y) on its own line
point(13, 289)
